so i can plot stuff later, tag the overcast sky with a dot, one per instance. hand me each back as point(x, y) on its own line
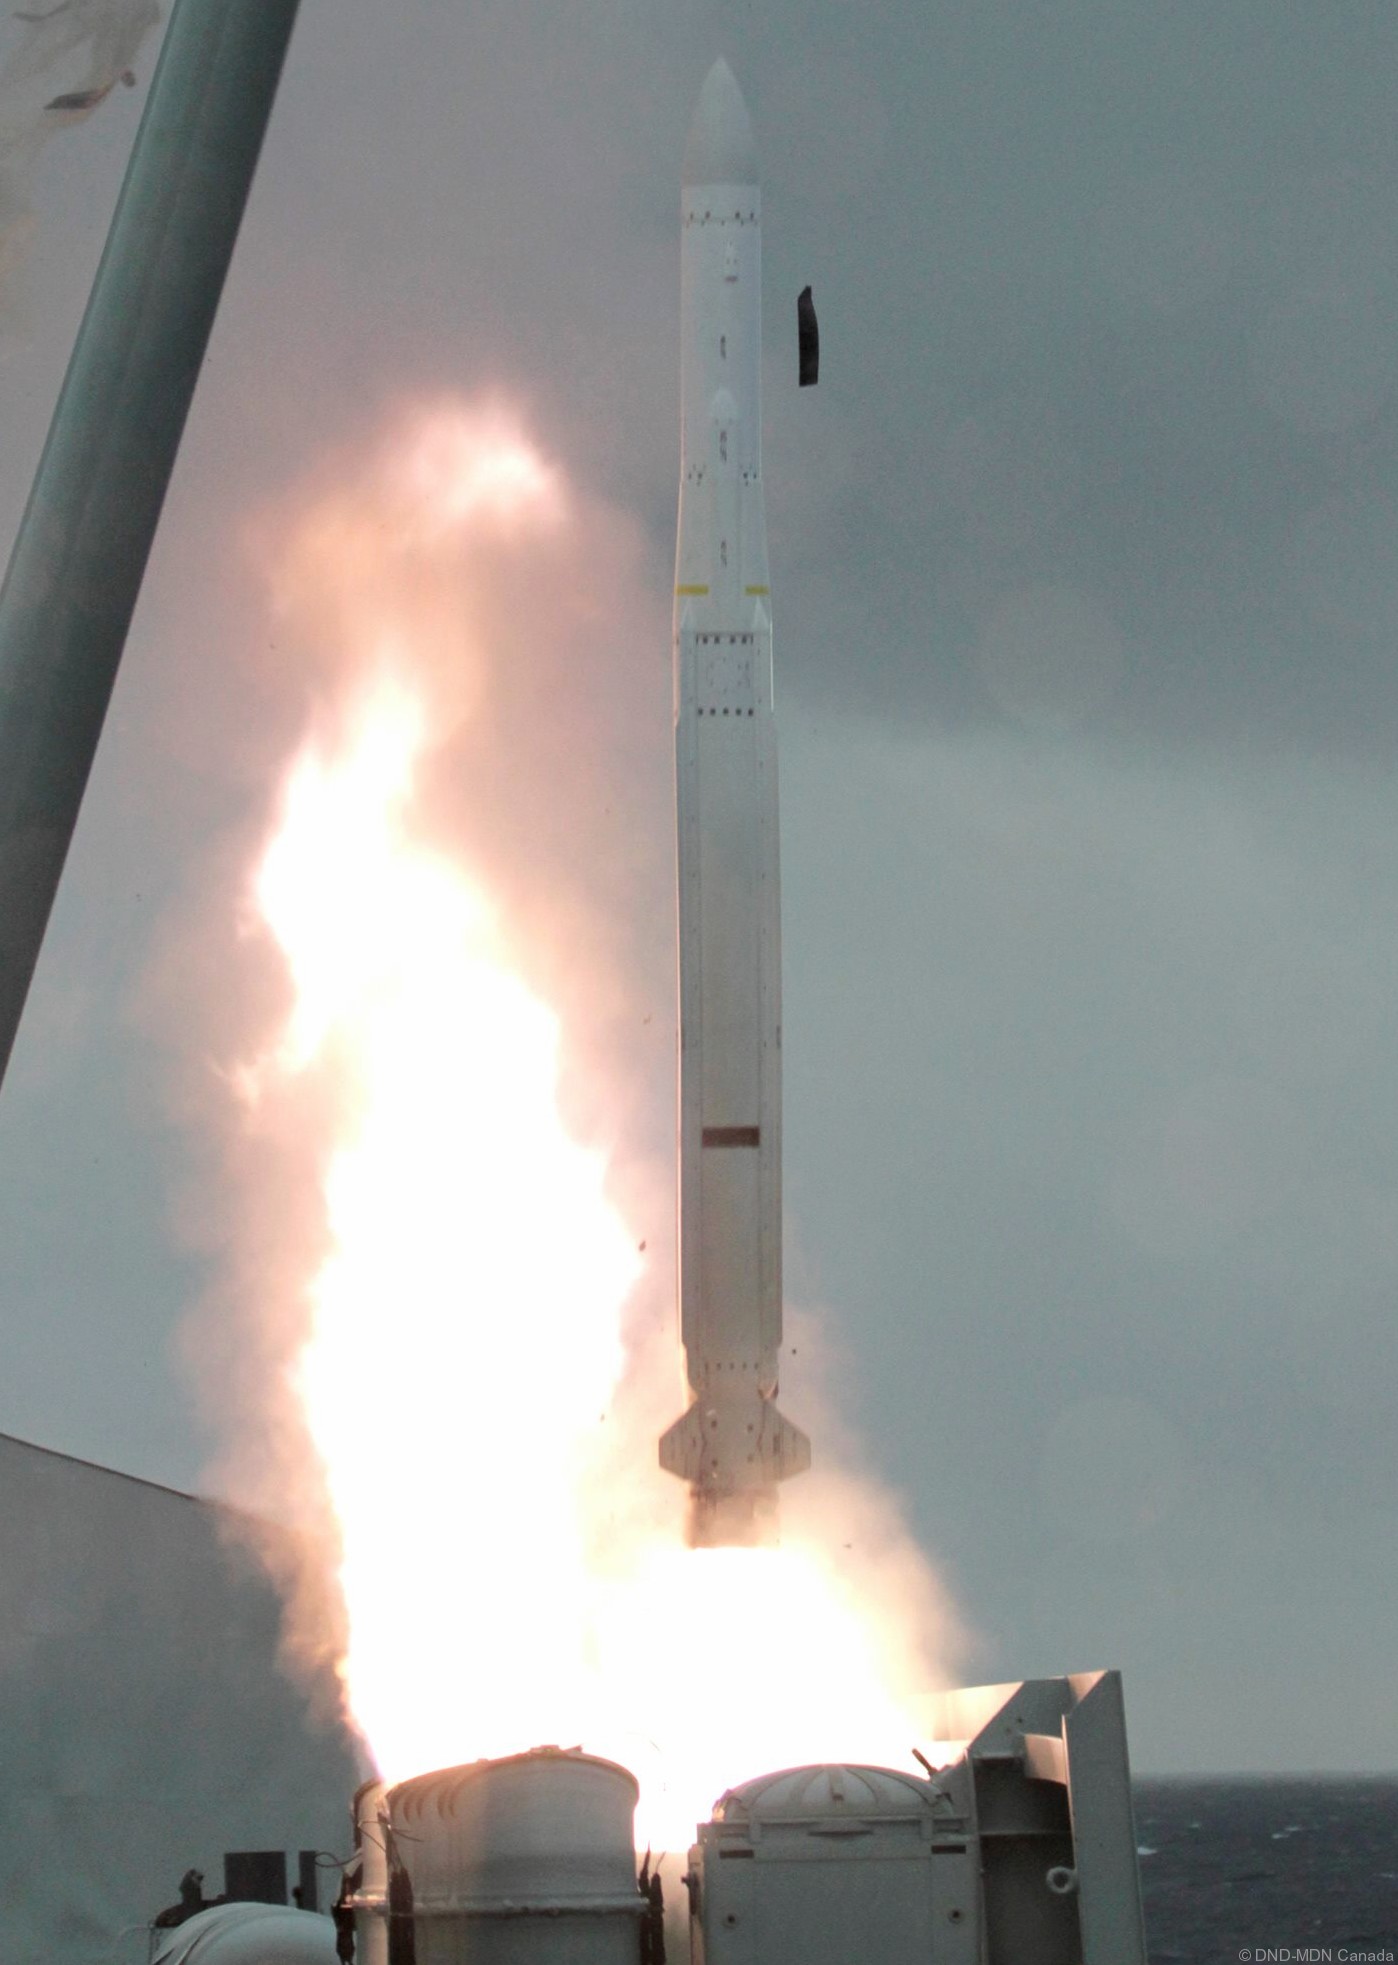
point(1085, 566)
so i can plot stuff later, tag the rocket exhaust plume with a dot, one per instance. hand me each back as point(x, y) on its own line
point(465, 1356)
point(474, 1258)
point(457, 1354)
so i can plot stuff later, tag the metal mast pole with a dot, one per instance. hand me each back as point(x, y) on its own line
point(80, 555)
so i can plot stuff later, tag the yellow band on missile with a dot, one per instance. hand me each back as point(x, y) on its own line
point(756, 590)
point(691, 590)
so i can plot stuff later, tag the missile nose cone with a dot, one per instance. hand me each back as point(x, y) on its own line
point(721, 147)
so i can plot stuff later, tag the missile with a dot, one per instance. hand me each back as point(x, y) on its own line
point(732, 1445)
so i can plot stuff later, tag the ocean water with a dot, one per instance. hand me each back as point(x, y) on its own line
point(1279, 1869)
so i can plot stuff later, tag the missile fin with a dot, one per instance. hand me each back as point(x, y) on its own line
point(730, 1434)
point(682, 1445)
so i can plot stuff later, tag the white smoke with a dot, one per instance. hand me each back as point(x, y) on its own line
point(70, 56)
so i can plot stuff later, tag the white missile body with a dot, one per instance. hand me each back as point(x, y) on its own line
point(732, 1445)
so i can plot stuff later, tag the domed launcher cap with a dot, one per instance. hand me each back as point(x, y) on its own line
point(721, 147)
point(248, 1934)
point(820, 1794)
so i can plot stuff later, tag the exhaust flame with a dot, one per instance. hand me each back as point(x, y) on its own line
point(468, 1310)
point(480, 1372)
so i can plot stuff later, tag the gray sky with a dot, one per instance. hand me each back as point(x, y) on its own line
point(1085, 562)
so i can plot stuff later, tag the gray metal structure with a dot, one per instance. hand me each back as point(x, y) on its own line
point(80, 555)
point(528, 1860)
point(146, 1723)
point(1020, 1851)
